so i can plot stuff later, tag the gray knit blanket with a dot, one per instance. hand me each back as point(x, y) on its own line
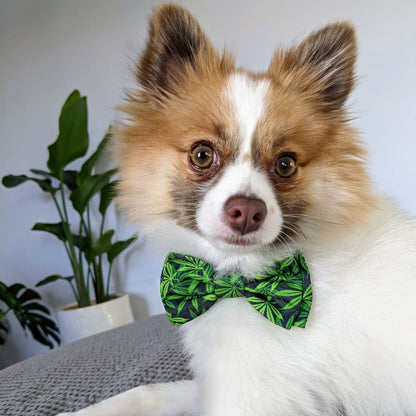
point(92, 369)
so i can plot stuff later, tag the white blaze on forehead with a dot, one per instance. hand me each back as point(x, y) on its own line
point(248, 101)
point(247, 97)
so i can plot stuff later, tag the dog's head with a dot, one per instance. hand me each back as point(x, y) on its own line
point(235, 166)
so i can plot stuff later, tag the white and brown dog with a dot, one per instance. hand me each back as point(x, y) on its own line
point(243, 169)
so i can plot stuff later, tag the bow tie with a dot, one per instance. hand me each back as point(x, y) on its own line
point(282, 294)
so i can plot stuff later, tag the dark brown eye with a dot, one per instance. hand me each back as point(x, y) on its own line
point(202, 156)
point(285, 166)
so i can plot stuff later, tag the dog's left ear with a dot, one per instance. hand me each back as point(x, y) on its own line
point(323, 64)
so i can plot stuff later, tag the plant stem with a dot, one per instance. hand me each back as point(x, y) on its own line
point(83, 299)
point(63, 220)
point(80, 252)
point(99, 283)
point(100, 294)
point(87, 229)
point(75, 292)
point(108, 279)
point(100, 263)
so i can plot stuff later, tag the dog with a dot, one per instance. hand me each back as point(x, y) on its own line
point(244, 169)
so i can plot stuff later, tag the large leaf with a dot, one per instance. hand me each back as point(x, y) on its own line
point(81, 196)
point(72, 141)
point(118, 247)
point(88, 166)
point(31, 315)
point(56, 229)
point(10, 181)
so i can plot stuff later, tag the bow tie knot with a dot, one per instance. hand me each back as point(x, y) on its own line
point(282, 294)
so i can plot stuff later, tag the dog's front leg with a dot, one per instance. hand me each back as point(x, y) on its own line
point(168, 399)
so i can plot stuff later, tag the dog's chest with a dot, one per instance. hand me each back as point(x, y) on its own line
point(349, 332)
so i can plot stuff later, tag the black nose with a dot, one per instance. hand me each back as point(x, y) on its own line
point(244, 214)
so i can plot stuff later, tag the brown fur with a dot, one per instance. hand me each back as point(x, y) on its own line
point(181, 104)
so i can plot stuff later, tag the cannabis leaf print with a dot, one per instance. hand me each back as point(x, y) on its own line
point(282, 294)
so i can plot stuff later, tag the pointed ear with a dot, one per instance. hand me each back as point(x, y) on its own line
point(176, 44)
point(326, 60)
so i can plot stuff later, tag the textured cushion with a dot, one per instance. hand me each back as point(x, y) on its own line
point(94, 368)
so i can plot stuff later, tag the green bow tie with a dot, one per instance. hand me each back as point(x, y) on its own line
point(283, 294)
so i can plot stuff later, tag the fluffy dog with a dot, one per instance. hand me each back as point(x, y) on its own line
point(243, 169)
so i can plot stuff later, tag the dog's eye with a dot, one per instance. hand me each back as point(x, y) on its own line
point(202, 156)
point(285, 166)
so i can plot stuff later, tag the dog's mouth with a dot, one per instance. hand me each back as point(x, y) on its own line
point(240, 241)
point(228, 238)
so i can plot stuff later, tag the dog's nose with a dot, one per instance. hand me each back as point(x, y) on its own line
point(244, 214)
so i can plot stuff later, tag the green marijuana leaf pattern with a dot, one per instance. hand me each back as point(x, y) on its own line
point(283, 294)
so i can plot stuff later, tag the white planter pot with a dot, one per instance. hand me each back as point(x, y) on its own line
point(76, 323)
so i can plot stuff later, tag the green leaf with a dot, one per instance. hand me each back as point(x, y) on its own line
point(81, 196)
point(72, 141)
point(5, 295)
point(289, 323)
point(107, 196)
point(49, 279)
point(11, 181)
point(69, 178)
point(27, 295)
point(31, 315)
point(34, 306)
point(41, 172)
point(15, 288)
point(287, 293)
point(3, 331)
point(118, 247)
point(81, 242)
point(182, 305)
point(292, 303)
point(103, 244)
point(88, 166)
point(195, 304)
point(56, 229)
point(178, 320)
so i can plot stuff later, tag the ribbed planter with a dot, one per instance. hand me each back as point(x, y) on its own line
point(76, 323)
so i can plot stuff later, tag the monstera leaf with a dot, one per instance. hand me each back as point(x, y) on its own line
point(32, 315)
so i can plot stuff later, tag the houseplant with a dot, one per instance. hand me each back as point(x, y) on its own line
point(30, 314)
point(89, 246)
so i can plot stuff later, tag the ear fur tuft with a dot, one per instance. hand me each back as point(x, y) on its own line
point(175, 42)
point(325, 63)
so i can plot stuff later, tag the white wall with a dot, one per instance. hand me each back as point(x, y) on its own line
point(50, 47)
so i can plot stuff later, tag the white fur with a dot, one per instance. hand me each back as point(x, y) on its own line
point(247, 98)
point(357, 354)
point(358, 349)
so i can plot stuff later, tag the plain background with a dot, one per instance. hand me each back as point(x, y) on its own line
point(50, 47)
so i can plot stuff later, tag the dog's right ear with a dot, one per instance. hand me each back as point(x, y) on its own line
point(176, 46)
